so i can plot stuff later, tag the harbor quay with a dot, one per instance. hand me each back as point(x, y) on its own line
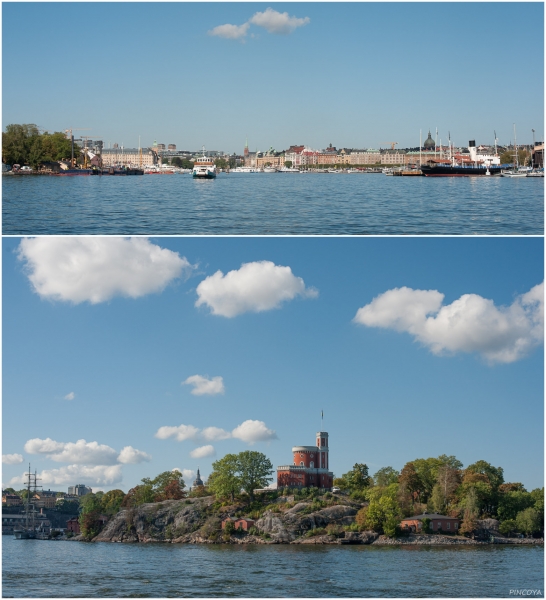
point(432, 157)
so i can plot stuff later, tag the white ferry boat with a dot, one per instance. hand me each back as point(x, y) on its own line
point(204, 168)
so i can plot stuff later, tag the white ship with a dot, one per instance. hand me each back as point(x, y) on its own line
point(204, 168)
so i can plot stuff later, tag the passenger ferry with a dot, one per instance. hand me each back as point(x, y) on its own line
point(204, 168)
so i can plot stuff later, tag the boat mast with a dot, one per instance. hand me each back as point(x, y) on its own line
point(28, 498)
point(420, 144)
point(515, 149)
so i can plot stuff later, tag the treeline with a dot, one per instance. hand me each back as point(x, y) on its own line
point(441, 485)
point(434, 485)
point(25, 145)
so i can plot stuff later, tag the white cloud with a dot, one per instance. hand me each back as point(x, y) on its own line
point(204, 386)
point(255, 287)
point(214, 434)
point(276, 22)
point(203, 452)
point(12, 459)
point(470, 324)
point(181, 433)
point(80, 452)
point(249, 431)
point(230, 32)
point(71, 474)
point(253, 431)
point(70, 396)
point(187, 474)
point(132, 456)
point(94, 269)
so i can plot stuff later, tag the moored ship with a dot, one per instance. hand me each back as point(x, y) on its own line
point(204, 168)
point(464, 165)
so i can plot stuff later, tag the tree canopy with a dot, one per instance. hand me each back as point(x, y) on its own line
point(23, 144)
point(247, 471)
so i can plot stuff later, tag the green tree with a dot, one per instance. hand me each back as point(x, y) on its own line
point(385, 476)
point(90, 512)
point(381, 515)
point(111, 501)
point(357, 478)
point(16, 143)
point(67, 507)
point(168, 485)
point(438, 499)
point(425, 525)
point(508, 527)
point(511, 503)
point(221, 163)
point(288, 164)
point(224, 480)
point(428, 470)
point(409, 479)
point(528, 521)
point(470, 515)
point(255, 471)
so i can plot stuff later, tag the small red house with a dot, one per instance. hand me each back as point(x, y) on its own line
point(239, 524)
point(73, 525)
point(437, 523)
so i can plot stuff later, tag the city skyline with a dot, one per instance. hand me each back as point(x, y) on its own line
point(360, 75)
point(134, 356)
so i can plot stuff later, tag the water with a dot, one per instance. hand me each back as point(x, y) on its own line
point(273, 204)
point(74, 569)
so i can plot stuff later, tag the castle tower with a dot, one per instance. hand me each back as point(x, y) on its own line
point(246, 148)
point(322, 444)
point(310, 466)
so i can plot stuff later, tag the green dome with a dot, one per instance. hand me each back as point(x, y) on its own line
point(429, 142)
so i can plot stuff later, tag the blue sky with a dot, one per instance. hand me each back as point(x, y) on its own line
point(100, 334)
point(351, 74)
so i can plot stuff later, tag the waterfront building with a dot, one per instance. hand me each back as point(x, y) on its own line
point(271, 158)
point(367, 157)
point(79, 490)
point(129, 157)
point(239, 524)
point(538, 155)
point(437, 523)
point(393, 157)
point(171, 147)
point(12, 500)
point(310, 466)
point(45, 499)
point(73, 525)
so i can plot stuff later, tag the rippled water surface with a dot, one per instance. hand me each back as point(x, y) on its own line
point(273, 204)
point(72, 569)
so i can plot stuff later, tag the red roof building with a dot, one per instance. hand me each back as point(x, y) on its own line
point(310, 466)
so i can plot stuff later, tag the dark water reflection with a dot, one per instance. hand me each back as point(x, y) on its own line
point(72, 569)
point(273, 204)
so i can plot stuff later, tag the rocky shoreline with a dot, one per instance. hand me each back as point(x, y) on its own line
point(196, 521)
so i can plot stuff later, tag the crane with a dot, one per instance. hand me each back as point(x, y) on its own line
point(69, 131)
point(85, 150)
point(393, 144)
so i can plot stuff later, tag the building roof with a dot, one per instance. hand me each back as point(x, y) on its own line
point(429, 142)
point(429, 516)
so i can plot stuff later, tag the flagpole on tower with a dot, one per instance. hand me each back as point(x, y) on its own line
point(321, 419)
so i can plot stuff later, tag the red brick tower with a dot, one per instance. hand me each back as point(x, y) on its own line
point(310, 466)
